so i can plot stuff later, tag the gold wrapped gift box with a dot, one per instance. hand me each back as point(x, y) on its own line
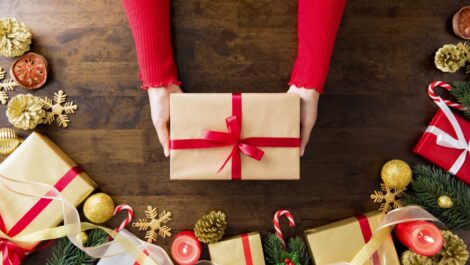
point(38, 159)
point(263, 115)
point(340, 241)
point(236, 250)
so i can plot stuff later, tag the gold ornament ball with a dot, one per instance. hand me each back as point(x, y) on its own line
point(396, 174)
point(84, 237)
point(445, 202)
point(98, 208)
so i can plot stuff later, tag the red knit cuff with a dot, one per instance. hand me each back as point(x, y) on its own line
point(318, 88)
point(146, 86)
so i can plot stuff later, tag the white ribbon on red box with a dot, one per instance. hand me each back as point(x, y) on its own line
point(442, 137)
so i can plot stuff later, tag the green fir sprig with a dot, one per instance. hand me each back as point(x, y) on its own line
point(66, 253)
point(461, 91)
point(428, 184)
point(296, 250)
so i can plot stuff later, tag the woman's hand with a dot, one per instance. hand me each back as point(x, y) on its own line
point(159, 98)
point(308, 113)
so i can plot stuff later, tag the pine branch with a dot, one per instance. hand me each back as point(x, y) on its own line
point(297, 245)
point(429, 183)
point(461, 90)
point(65, 253)
point(273, 249)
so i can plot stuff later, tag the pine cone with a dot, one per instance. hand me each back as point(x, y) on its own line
point(211, 227)
point(25, 111)
point(411, 258)
point(15, 37)
point(454, 251)
point(450, 58)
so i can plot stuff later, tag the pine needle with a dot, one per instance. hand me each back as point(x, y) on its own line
point(273, 249)
point(65, 253)
point(428, 184)
point(297, 245)
point(461, 90)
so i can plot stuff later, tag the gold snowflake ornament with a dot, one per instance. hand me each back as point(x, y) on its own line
point(155, 223)
point(6, 85)
point(59, 109)
point(388, 198)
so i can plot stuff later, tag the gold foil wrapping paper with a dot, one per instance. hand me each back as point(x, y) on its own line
point(231, 250)
point(38, 159)
point(340, 241)
point(263, 115)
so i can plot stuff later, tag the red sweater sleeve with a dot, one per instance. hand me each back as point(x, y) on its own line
point(150, 24)
point(318, 22)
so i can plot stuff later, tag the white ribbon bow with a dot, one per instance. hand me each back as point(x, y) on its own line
point(446, 140)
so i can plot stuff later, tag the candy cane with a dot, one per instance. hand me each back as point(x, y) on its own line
point(433, 96)
point(277, 227)
point(130, 214)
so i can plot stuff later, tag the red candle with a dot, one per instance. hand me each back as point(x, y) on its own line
point(186, 249)
point(422, 237)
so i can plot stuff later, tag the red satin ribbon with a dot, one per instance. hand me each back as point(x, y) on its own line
point(247, 146)
point(11, 253)
point(367, 234)
point(247, 249)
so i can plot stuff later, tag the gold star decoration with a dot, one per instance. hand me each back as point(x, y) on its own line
point(57, 111)
point(155, 223)
point(388, 198)
point(6, 84)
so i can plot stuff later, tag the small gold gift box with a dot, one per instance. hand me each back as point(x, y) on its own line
point(238, 250)
point(340, 241)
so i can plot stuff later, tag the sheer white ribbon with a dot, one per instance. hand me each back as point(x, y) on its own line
point(72, 228)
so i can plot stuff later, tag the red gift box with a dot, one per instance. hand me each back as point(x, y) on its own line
point(446, 140)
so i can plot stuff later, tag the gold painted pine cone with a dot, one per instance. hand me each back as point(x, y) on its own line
point(450, 58)
point(211, 227)
point(25, 111)
point(15, 37)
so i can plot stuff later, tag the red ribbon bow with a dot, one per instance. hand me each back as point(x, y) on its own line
point(232, 137)
point(248, 146)
point(11, 253)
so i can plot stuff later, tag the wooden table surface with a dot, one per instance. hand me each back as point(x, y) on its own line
point(375, 107)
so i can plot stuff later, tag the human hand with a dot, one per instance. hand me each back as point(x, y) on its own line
point(159, 98)
point(308, 113)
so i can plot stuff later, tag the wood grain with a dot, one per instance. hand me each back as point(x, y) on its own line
point(374, 109)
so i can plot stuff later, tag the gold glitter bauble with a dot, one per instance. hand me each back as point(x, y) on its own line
point(396, 174)
point(445, 202)
point(84, 236)
point(98, 208)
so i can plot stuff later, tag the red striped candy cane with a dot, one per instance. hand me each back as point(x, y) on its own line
point(277, 227)
point(436, 98)
point(130, 214)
